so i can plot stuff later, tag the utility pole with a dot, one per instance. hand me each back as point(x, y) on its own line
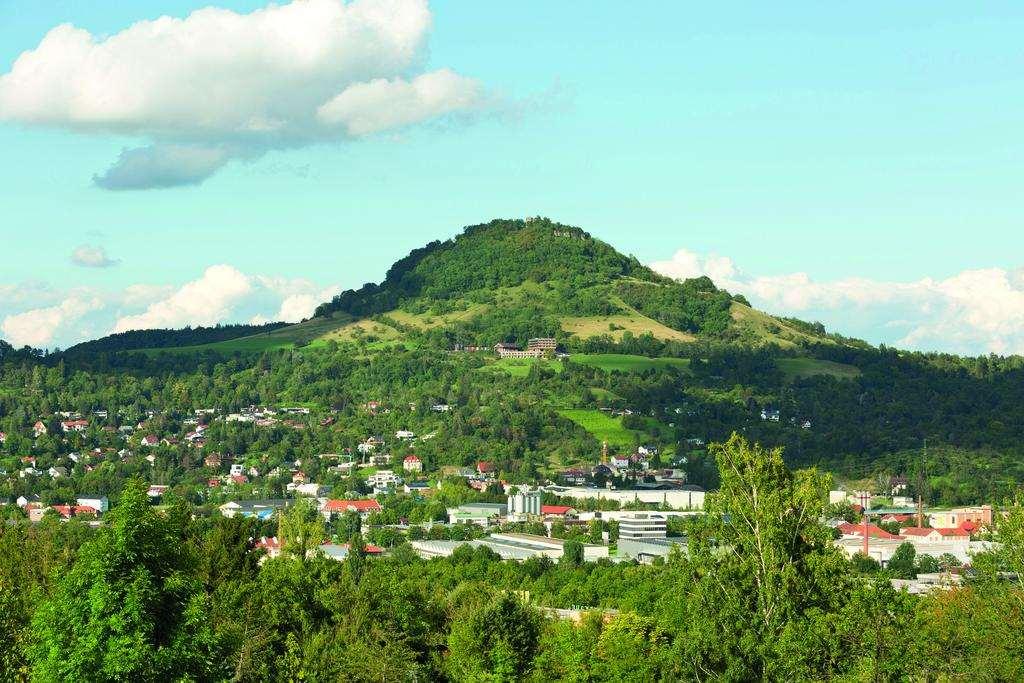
point(921, 479)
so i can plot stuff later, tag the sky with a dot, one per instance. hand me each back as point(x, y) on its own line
point(169, 163)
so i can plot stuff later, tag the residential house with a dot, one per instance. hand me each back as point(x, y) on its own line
point(213, 461)
point(150, 440)
point(383, 479)
point(236, 468)
point(69, 511)
point(485, 467)
point(563, 511)
point(420, 487)
point(932, 535)
point(260, 509)
point(848, 530)
point(337, 508)
point(38, 429)
point(74, 425)
point(412, 464)
point(405, 435)
point(980, 516)
point(156, 491)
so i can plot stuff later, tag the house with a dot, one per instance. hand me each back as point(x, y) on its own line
point(74, 425)
point(380, 459)
point(485, 467)
point(38, 429)
point(770, 414)
point(619, 462)
point(849, 530)
point(57, 471)
point(440, 407)
point(69, 511)
point(932, 535)
point(156, 491)
point(563, 511)
point(239, 479)
point(335, 508)
point(898, 518)
point(383, 479)
point(412, 464)
point(310, 489)
point(405, 434)
point(150, 440)
point(98, 503)
point(298, 478)
point(271, 546)
point(260, 509)
point(236, 468)
point(419, 487)
point(213, 461)
point(573, 477)
point(370, 444)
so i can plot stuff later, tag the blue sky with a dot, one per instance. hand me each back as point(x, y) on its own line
point(857, 165)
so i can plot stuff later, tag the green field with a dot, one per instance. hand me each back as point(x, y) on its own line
point(627, 363)
point(520, 367)
point(601, 426)
point(798, 368)
point(288, 337)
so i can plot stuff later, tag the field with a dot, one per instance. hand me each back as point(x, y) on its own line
point(601, 426)
point(520, 367)
point(627, 363)
point(797, 368)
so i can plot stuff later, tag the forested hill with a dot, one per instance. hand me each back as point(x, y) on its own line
point(165, 338)
point(509, 279)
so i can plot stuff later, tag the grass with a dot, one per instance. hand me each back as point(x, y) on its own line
point(520, 367)
point(798, 368)
point(600, 425)
point(630, 320)
point(281, 338)
point(627, 363)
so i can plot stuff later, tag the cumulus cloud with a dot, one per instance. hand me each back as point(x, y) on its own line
point(37, 327)
point(219, 85)
point(971, 312)
point(91, 256)
point(40, 316)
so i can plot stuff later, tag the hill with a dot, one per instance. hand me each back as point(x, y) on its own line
point(508, 280)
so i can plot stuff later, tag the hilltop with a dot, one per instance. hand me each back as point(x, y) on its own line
point(508, 280)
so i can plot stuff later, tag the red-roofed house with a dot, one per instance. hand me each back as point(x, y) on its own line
point(899, 518)
point(69, 511)
point(558, 511)
point(365, 508)
point(38, 428)
point(150, 440)
point(74, 425)
point(271, 545)
point(485, 467)
point(849, 530)
point(412, 464)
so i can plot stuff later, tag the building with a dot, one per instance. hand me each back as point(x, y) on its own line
point(980, 516)
point(542, 346)
point(518, 547)
point(383, 479)
point(481, 514)
point(926, 535)
point(412, 464)
point(260, 509)
point(98, 503)
point(336, 508)
point(643, 525)
point(677, 498)
point(524, 503)
point(646, 550)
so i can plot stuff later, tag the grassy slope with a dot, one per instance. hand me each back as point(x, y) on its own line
point(602, 426)
point(761, 328)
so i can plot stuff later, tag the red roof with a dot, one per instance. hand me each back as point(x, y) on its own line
point(554, 509)
point(411, 458)
point(485, 466)
point(968, 526)
point(352, 505)
point(848, 529)
point(368, 548)
point(68, 511)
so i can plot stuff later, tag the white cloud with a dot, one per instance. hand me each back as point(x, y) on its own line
point(91, 256)
point(38, 327)
point(218, 84)
point(972, 312)
point(383, 104)
point(205, 301)
point(41, 316)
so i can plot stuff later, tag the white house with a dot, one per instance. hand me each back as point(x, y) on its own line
point(98, 503)
point(412, 464)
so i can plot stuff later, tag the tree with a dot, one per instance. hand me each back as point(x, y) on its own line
point(901, 564)
point(301, 529)
point(498, 639)
point(572, 553)
point(596, 531)
point(129, 608)
point(760, 565)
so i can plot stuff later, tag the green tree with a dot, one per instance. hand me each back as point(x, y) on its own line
point(901, 564)
point(301, 529)
point(760, 565)
point(129, 608)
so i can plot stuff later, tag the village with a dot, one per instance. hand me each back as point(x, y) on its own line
point(619, 508)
